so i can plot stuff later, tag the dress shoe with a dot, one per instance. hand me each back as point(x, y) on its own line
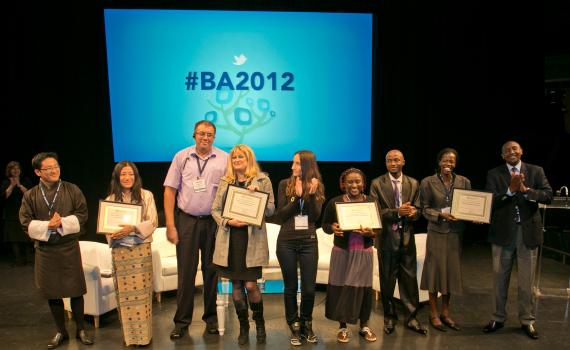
point(439, 326)
point(530, 330)
point(178, 332)
point(389, 325)
point(449, 323)
point(57, 340)
point(493, 326)
point(82, 336)
point(416, 326)
point(212, 327)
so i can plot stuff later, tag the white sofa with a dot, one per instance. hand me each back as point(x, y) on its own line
point(164, 266)
point(326, 243)
point(97, 268)
point(273, 271)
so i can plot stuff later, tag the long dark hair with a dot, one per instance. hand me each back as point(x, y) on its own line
point(309, 170)
point(115, 185)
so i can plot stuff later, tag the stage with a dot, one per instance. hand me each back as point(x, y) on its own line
point(25, 320)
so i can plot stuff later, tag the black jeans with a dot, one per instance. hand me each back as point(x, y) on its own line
point(305, 255)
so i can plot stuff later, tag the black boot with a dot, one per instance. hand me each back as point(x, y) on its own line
point(257, 309)
point(242, 314)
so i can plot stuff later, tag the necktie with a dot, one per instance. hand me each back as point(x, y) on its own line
point(396, 193)
point(515, 171)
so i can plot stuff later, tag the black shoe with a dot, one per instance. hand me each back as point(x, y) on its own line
point(82, 336)
point(307, 332)
point(295, 328)
point(416, 326)
point(389, 325)
point(530, 330)
point(212, 327)
point(449, 323)
point(178, 332)
point(493, 326)
point(439, 327)
point(57, 340)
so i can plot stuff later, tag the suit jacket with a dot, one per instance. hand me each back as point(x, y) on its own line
point(382, 191)
point(432, 197)
point(503, 225)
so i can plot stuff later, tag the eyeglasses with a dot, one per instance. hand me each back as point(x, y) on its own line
point(51, 168)
point(202, 134)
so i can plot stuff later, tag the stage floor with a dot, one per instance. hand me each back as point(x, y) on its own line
point(25, 321)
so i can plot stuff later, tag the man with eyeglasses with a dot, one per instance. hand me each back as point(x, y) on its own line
point(189, 190)
point(53, 214)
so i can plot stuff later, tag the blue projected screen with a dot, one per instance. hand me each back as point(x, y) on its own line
point(277, 81)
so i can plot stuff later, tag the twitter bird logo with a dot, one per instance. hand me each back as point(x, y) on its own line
point(239, 60)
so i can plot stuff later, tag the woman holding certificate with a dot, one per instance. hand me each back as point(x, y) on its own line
point(300, 200)
point(442, 266)
point(132, 259)
point(349, 291)
point(241, 249)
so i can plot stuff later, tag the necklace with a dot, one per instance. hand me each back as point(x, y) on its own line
point(347, 198)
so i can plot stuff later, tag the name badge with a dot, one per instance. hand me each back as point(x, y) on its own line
point(446, 210)
point(301, 222)
point(199, 185)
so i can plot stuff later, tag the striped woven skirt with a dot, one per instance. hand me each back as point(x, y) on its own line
point(349, 291)
point(133, 286)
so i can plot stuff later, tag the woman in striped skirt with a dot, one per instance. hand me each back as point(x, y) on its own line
point(132, 259)
point(349, 291)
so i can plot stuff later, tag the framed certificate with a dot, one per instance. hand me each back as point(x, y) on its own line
point(352, 215)
point(245, 205)
point(472, 205)
point(113, 214)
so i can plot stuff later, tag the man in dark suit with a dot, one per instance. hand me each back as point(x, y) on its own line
point(515, 233)
point(398, 197)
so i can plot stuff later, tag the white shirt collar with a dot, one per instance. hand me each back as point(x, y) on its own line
point(518, 166)
point(394, 179)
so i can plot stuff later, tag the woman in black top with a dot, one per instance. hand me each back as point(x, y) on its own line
point(349, 290)
point(300, 199)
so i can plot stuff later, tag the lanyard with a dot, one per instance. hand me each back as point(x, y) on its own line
point(448, 191)
point(50, 205)
point(301, 204)
point(201, 168)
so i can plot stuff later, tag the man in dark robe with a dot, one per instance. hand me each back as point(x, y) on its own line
point(53, 214)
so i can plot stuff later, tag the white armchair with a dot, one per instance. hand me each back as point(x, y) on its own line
point(164, 265)
point(97, 268)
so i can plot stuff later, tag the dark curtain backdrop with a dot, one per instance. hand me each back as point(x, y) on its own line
point(467, 75)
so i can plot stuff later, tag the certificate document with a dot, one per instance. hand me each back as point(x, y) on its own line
point(113, 214)
point(353, 215)
point(472, 205)
point(245, 205)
